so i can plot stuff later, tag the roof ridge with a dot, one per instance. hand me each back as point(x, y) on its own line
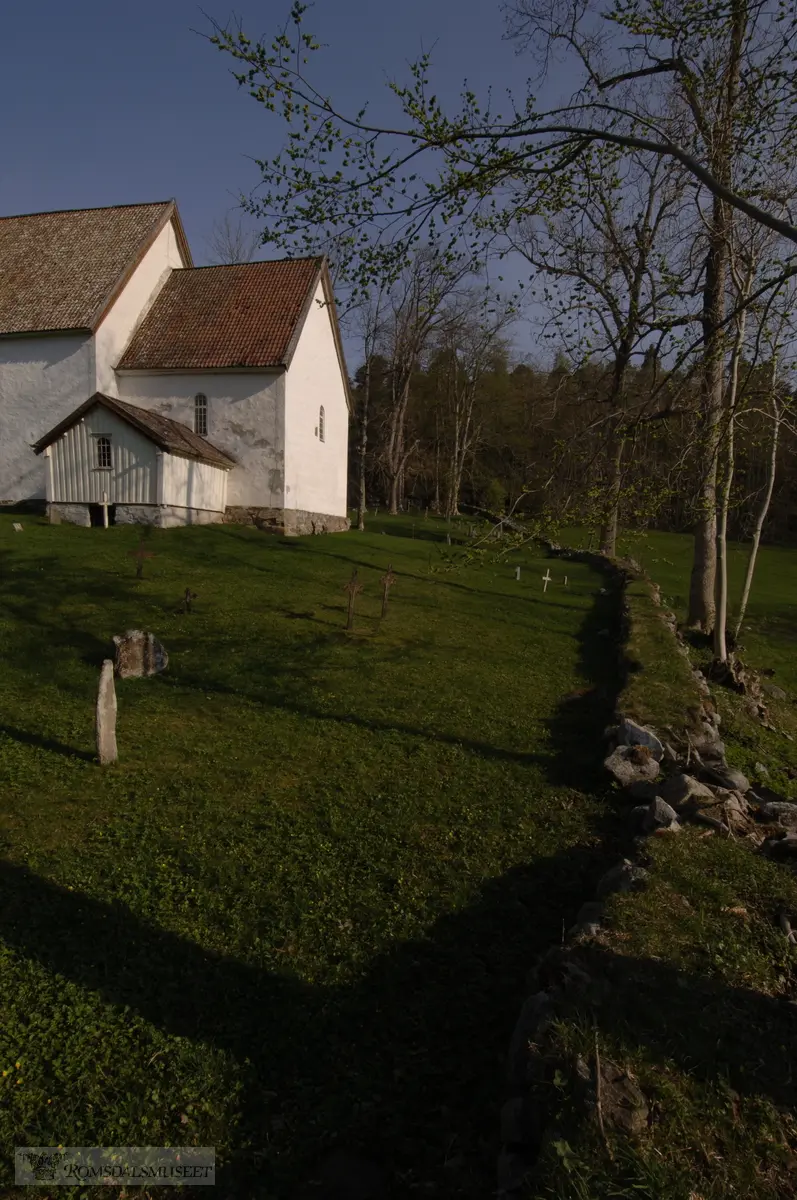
point(258, 262)
point(53, 212)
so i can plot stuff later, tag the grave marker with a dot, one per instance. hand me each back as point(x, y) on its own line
point(517, 574)
point(387, 582)
point(104, 507)
point(17, 527)
point(106, 716)
point(546, 579)
point(353, 587)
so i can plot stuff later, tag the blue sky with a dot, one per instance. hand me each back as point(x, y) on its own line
point(108, 102)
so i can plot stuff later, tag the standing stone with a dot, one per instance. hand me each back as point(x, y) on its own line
point(139, 654)
point(106, 716)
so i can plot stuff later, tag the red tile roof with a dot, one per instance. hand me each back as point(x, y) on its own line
point(167, 434)
point(62, 270)
point(243, 315)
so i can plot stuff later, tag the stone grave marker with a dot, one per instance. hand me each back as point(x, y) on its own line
point(139, 654)
point(106, 716)
point(17, 527)
point(546, 579)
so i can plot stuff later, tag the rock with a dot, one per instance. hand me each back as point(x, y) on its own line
point(781, 848)
point(625, 877)
point(623, 1102)
point(780, 811)
point(727, 777)
point(632, 734)
point(106, 716)
point(512, 1171)
point(773, 691)
point(139, 654)
point(644, 790)
point(659, 815)
point(682, 790)
point(761, 771)
point(588, 921)
point(535, 1015)
point(632, 764)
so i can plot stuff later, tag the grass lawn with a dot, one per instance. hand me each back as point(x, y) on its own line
point(299, 911)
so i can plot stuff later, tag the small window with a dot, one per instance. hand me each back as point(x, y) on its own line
point(201, 414)
point(104, 459)
point(321, 423)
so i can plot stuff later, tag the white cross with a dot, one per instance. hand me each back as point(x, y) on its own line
point(105, 509)
point(546, 579)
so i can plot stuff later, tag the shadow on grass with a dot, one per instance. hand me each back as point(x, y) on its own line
point(405, 1066)
point(44, 743)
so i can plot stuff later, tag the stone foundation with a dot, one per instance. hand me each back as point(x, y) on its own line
point(165, 516)
point(291, 522)
point(69, 514)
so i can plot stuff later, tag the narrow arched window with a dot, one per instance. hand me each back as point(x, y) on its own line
point(321, 423)
point(201, 414)
point(104, 458)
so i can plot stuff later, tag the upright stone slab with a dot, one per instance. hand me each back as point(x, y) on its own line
point(139, 654)
point(106, 716)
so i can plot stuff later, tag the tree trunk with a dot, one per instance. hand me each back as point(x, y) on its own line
point(363, 448)
point(761, 515)
point(721, 619)
point(608, 535)
point(704, 567)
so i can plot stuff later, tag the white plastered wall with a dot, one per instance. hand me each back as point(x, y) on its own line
point(132, 305)
point(191, 484)
point(42, 380)
point(316, 471)
point(245, 419)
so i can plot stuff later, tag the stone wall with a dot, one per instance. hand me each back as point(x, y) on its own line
point(288, 521)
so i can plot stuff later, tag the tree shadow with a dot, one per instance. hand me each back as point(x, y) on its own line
point(404, 1066)
point(44, 743)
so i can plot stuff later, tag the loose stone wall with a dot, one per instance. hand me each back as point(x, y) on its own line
point(665, 779)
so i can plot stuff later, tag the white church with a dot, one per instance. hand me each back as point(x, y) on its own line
point(135, 384)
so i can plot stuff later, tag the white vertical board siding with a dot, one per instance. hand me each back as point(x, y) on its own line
point(75, 477)
point(191, 484)
point(245, 419)
point(315, 471)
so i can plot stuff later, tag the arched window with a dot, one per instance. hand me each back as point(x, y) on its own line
point(104, 457)
point(321, 423)
point(201, 414)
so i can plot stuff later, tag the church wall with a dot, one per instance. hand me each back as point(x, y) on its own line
point(42, 380)
point(132, 305)
point(245, 419)
point(316, 470)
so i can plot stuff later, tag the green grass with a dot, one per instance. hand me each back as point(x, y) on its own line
point(702, 986)
point(299, 911)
